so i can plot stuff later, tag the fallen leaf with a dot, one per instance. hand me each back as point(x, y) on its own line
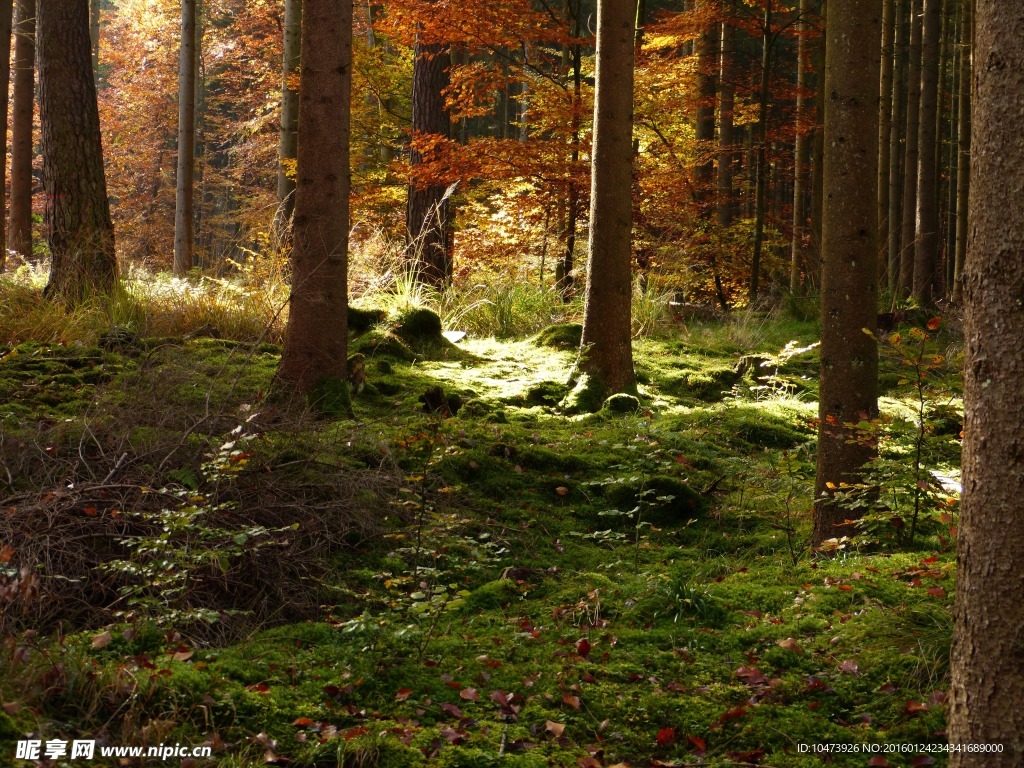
point(849, 667)
point(583, 647)
point(102, 640)
point(666, 737)
point(402, 694)
point(554, 728)
point(572, 701)
point(562, 490)
point(469, 694)
point(790, 644)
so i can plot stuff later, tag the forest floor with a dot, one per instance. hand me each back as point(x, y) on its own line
point(507, 585)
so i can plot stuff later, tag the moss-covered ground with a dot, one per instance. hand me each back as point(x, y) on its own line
point(525, 588)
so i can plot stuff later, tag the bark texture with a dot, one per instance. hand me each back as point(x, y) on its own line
point(849, 291)
point(987, 692)
point(288, 140)
point(316, 339)
point(607, 352)
point(184, 234)
point(726, 133)
point(908, 236)
point(899, 119)
point(19, 231)
point(799, 153)
point(963, 175)
point(6, 19)
point(80, 232)
point(885, 112)
point(926, 245)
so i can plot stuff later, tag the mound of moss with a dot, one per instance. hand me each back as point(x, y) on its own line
point(332, 397)
point(586, 396)
point(560, 336)
point(362, 320)
point(420, 330)
point(621, 403)
point(666, 500)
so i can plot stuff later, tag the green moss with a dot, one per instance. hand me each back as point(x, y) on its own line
point(332, 397)
point(560, 336)
point(493, 594)
point(378, 343)
point(621, 404)
point(586, 396)
point(666, 500)
point(361, 320)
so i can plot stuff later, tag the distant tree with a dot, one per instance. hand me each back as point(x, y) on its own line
point(316, 339)
point(6, 18)
point(908, 235)
point(289, 114)
point(184, 233)
point(987, 691)
point(849, 291)
point(19, 231)
point(926, 245)
point(799, 152)
point(607, 353)
point(80, 233)
point(963, 153)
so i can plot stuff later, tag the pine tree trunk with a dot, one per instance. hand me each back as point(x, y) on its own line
point(94, 36)
point(287, 141)
point(726, 133)
point(6, 23)
point(607, 352)
point(428, 211)
point(564, 277)
point(184, 236)
point(927, 243)
point(987, 690)
point(799, 215)
point(908, 237)
point(81, 236)
point(761, 180)
point(896, 135)
point(19, 231)
point(818, 149)
point(964, 152)
point(316, 339)
point(885, 128)
point(849, 291)
point(707, 66)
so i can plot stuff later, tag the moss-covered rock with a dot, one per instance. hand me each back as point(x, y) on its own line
point(362, 320)
point(418, 325)
point(544, 393)
point(622, 403)
point(586, 396)
point(332, 397)
point(560, 336)
point(666, 500)
point(378, 343)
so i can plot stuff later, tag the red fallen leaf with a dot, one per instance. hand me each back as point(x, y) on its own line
point(452, 710)
point(887, 688)
point(676, 687)
point(572, 701)
point(878, 761)
point(752, 676)
point(733, 714)
point(933, 325)
point(790, 644)
point(699, 745)
point(454, 736)
point(6, 553)
point(588, 762)
point(554, 728)
point(747, 757)
point(402, 694)
point(849, 667)
point(929, 560)
point(469, 694)
point(845, 588)
point(936, 591)
point(922, 760)
point(302, 722)
point(182, 654)
point(914, 707)
point(429, 663)
point(355, 732)
point(261, 688)
point(666, 737)
point(583, 647)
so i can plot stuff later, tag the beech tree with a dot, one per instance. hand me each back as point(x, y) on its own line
point(19, 230)
point(79, 229)
point(316, 338)
point(987, 692)
point(849, 291)
point(184, 235)
point(607, 351)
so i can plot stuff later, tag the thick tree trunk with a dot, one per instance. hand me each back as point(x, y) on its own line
point(899, 121)
point(81, 235)
point(19, 232)
point(287, 141)
point(6, 20)
point(849, 292)
point(987, 691)
point(726, 134)
point(184, 235)
point(927, 244)
point(607, 351)
point(316, 339)
point(799, 154)
point(963, 173)
point(885, 128)
point(428, 211)
point(908, 237)
point(94, 36)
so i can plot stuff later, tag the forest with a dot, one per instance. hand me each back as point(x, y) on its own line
point(572, 383)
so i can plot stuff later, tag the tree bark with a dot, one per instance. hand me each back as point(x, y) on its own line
point(184, 234)
point(899, 121)
point(987, 660)
point(316, 339)
point(6, 23)
point(607, 352)
point(287, 142)
point(799, 154)
point(81, 236)
point(908, 237)
point(707, 66)
point(964, 152)
point(885, 127)
point(94, 37)
point(761, 179)
point(849, 291)
point(428, 210)
point(23, 116)
point(927, 244)
point(726, 134)
point(818, 148)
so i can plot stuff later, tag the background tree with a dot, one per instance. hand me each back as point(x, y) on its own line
point(987, 701)
point(289, 114)
point(184, 248)
point(607, 352)
point(908, 227)
point(23, 115)
point(80, 232)
point(926, 243)
point(849, 291)
point(316, 338)
point(6, 18)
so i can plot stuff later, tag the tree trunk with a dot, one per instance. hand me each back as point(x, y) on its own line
point(885, 127)
point(607, 352)
point(818, 148)
point(927, 243)
point(908, 237)
point(184, 235)
point(428, 212)
point(564, 278)
point(761, 180)
point(964, 152)
point(81, 235)
point(6, 19)
point(987, 690)
point(19, 232)
point(899, 121)
point(799, 154)
point(849, 292)
point(94, 36)
point(707, 66)
point(726, 134)
point(287, 144)
point(316, 339)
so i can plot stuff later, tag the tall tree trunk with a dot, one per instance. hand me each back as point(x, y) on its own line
point(6, 22)
point(800, 152)
point(899, 121)
point(908, 237)
point(987, 691)
point(849, 291)
point(707, 66)
point(927, 244)
point(885, 128)
point(950, 178)
point(607, 351)
point(94, 36)
point(964, 151)
point(428, 210)
point(184, 235)
point(81, 235)
point(726, 133)
point(316, 339)
point(564, 269)
point(287, 141)
point(19, 232)
point(818, 148)
point(761, 179)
